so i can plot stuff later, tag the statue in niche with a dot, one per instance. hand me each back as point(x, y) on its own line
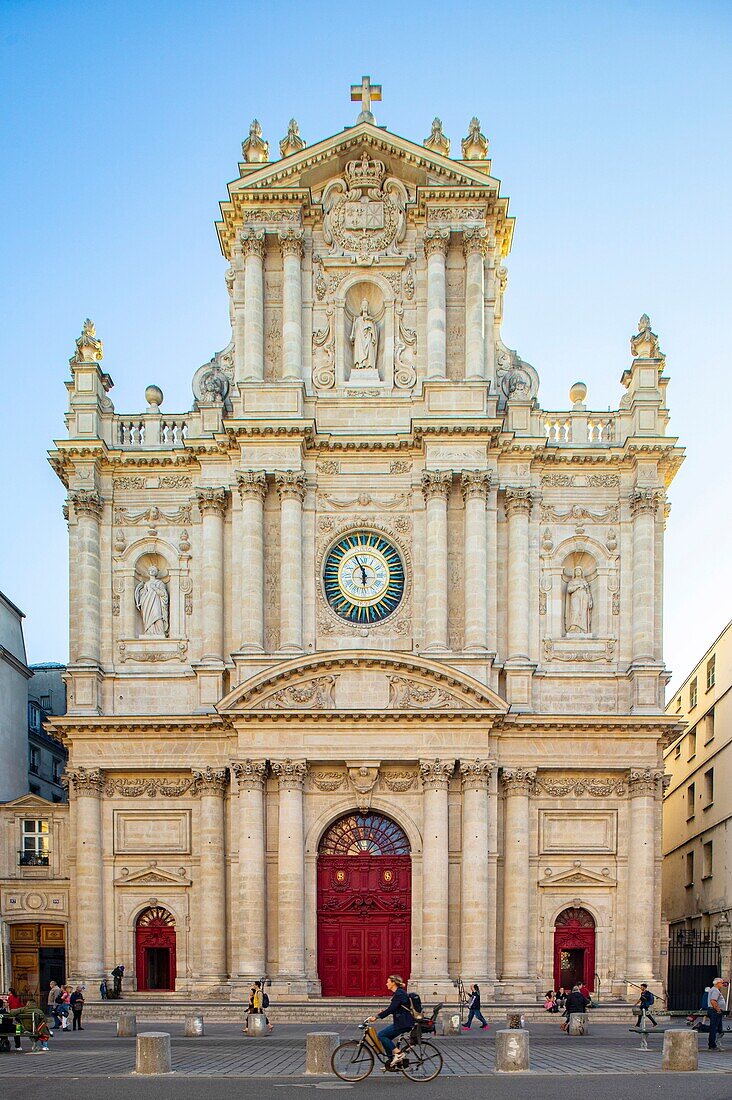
point(151, 600)
point(365, 340)
point(578, 604)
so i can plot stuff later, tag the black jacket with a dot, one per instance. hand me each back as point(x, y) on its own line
point(474, 1002)
point(398, 1007)
point(576, 1002)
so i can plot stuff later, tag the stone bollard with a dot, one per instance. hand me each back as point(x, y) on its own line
point(680, 1051)
point(514, 1020)
point(319, 1047)
point(153, 1052)
point(126, 1025)
point(256, 1024)
point(193, 1027)
point(578, 1023)
point(512, 1051)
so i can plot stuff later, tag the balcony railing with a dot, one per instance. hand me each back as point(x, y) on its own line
point(33, 859)
point(588, 427)
point(151, 431)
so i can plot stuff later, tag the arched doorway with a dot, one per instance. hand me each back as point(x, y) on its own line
point(364, 905)
point(574, 949)
point(155, 950)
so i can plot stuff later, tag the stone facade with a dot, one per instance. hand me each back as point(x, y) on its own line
point(506, 710)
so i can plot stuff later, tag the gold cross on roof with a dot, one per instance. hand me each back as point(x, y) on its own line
point(365, 91)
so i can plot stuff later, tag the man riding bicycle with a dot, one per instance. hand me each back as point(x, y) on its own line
point(399, 1009)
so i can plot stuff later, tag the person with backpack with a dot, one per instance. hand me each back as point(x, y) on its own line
point(76, 1002)
point(54, 1004)
point(400, 1010)
point(644, 1004)
point(474, 1009)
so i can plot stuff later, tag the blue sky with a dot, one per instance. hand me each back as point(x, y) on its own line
point(609, 126)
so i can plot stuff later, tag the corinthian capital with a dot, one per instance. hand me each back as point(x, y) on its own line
point(645, 500)
point(436, 774)
point(87, 782)
point(87, 502)
point(211, 781)
point(252, 483)
point(518, 780)
point(475, 240)
point(290, 483)
point(291, 242)
point(290, 774)
point(476, 774)
point(475, 483)
point(212, 501)
point(436, 240)
point(436, 483)
point(249, 774)
point(645, 781)
point(252, 242)
point(518, 500)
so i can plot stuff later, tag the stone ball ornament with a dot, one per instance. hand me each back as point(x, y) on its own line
point(154, 396)
point(578, 393)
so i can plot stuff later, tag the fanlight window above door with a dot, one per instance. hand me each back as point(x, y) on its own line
point(358, 833)
point(574, 918)
point(155, 916)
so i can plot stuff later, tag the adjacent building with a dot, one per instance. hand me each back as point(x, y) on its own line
point(46, 754)
point(14, 677)
point(697, 809)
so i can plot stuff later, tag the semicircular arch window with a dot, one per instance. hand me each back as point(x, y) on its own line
point(155, 916)
point(355, 834)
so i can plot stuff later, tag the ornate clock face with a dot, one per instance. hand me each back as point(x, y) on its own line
point(363, 576)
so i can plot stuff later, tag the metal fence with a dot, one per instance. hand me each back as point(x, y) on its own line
point(693, 963)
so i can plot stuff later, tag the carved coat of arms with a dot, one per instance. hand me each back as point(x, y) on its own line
point(364, 213)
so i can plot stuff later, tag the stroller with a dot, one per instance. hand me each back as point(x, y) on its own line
point(38, 1032)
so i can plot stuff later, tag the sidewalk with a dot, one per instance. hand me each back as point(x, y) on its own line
point(225, 1052)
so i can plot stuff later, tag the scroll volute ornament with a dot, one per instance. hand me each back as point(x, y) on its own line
point(436, 483)
point(252, 483)
point(476, 774)
point(290, 773)
point(212, 501)
point(436, 774)
point(250, 774)
point(518, 500)
point(518, 780)
point(87, 782)
point(211, 780)
point(475, 483)
point(645, 781)
point(290, 483)
point(87, 502)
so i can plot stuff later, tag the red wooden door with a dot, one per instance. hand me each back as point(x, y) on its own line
point(155, 961)
point(574, 949)
point(364, 922)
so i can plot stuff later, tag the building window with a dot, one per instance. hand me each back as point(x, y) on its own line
point(709, 726)
point(677, 754)
point(709, 787)
point(34, 717)
point(58, 769)
point(692, 744)
point(711, 672)
point(34, 760)
point(34, 846)
point(693, 694)
point(707, 860)
point(46, 703)
point(678, 705)
point(689, 869)
point(690, 797)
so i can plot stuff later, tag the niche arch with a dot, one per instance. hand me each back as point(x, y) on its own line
point(379, 293)
point(600, 569)
point(130, 568)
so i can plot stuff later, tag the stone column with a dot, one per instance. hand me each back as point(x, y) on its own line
point(212, 874)
point(643, 507)
point(475, 901)
point(252, 490)
point(492, 845)
point(435, 856)
point(252, 243)
point(492, 568)
point(85, 564)
point(517, 785)
point(475, 486)
point(235, 280)
point(436, 486)
point(291, 488)
point(251, 911)
point(518, 510)
point(91, 903)
point(475, 247)
point(291, 869)
point(292, 250)
point(436, 242)
point(644, 787)
point(212, 506)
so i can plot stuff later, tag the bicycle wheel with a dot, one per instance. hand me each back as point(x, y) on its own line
point(424, 1063)
point(352, 1061)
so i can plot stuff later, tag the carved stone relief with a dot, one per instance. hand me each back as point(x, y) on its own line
point(317, 694)
point(364, 212)
point(272, 345)
point(272, 574)
point(405, 694)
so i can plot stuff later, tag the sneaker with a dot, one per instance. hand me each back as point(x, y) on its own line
point(484, 1026)
point(465, 1027)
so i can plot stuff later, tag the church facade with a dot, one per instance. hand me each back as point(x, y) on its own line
point(366, 665)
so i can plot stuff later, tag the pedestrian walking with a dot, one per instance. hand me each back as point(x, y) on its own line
point(12, 1004)
point(103, 993)
point(54, 1001)
point(474, 1009)
point(644, 1004)
point(76, 1001)
point(64, 1008)
point(716, 1010)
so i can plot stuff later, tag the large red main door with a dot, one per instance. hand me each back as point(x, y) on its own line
point(364, 906)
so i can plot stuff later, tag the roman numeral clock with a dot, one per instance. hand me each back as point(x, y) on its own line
point(363, 577)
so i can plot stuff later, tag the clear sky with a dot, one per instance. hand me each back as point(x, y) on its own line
point(610, 126)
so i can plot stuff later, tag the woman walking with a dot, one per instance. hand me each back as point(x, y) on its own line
point(76, 1001)
point(474, 1009)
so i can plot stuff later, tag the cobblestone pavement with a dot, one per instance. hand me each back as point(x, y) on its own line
point(225, 1052)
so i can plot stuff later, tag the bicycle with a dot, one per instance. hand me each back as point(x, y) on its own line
point(354, 1060)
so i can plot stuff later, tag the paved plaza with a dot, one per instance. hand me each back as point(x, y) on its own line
point(225, 1052)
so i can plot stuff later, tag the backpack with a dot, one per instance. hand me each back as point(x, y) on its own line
point(415, 1005)
point(265, 1000)
point(650, 998)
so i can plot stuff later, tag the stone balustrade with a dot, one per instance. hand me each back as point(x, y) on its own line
point(150, 430)
point(579, 427)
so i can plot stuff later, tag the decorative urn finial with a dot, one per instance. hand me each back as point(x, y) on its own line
point(255, 148)
point(291, 142)
point(154, 396)
point(437, 140)
point(88, 346)
point(644, 345)
point(475, 145)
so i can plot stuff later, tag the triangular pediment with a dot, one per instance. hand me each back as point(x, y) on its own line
point(578, 876)
point(358, 682)
point(298, 180)
point(32, 802)
point(152, 875)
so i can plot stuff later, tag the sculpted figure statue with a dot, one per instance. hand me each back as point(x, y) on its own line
point(151, 599)
point(365, 339)
point(578, 605)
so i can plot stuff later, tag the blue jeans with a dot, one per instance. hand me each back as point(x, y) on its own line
point(716, 1026)
point(473, 1013)
point(387, 1036)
